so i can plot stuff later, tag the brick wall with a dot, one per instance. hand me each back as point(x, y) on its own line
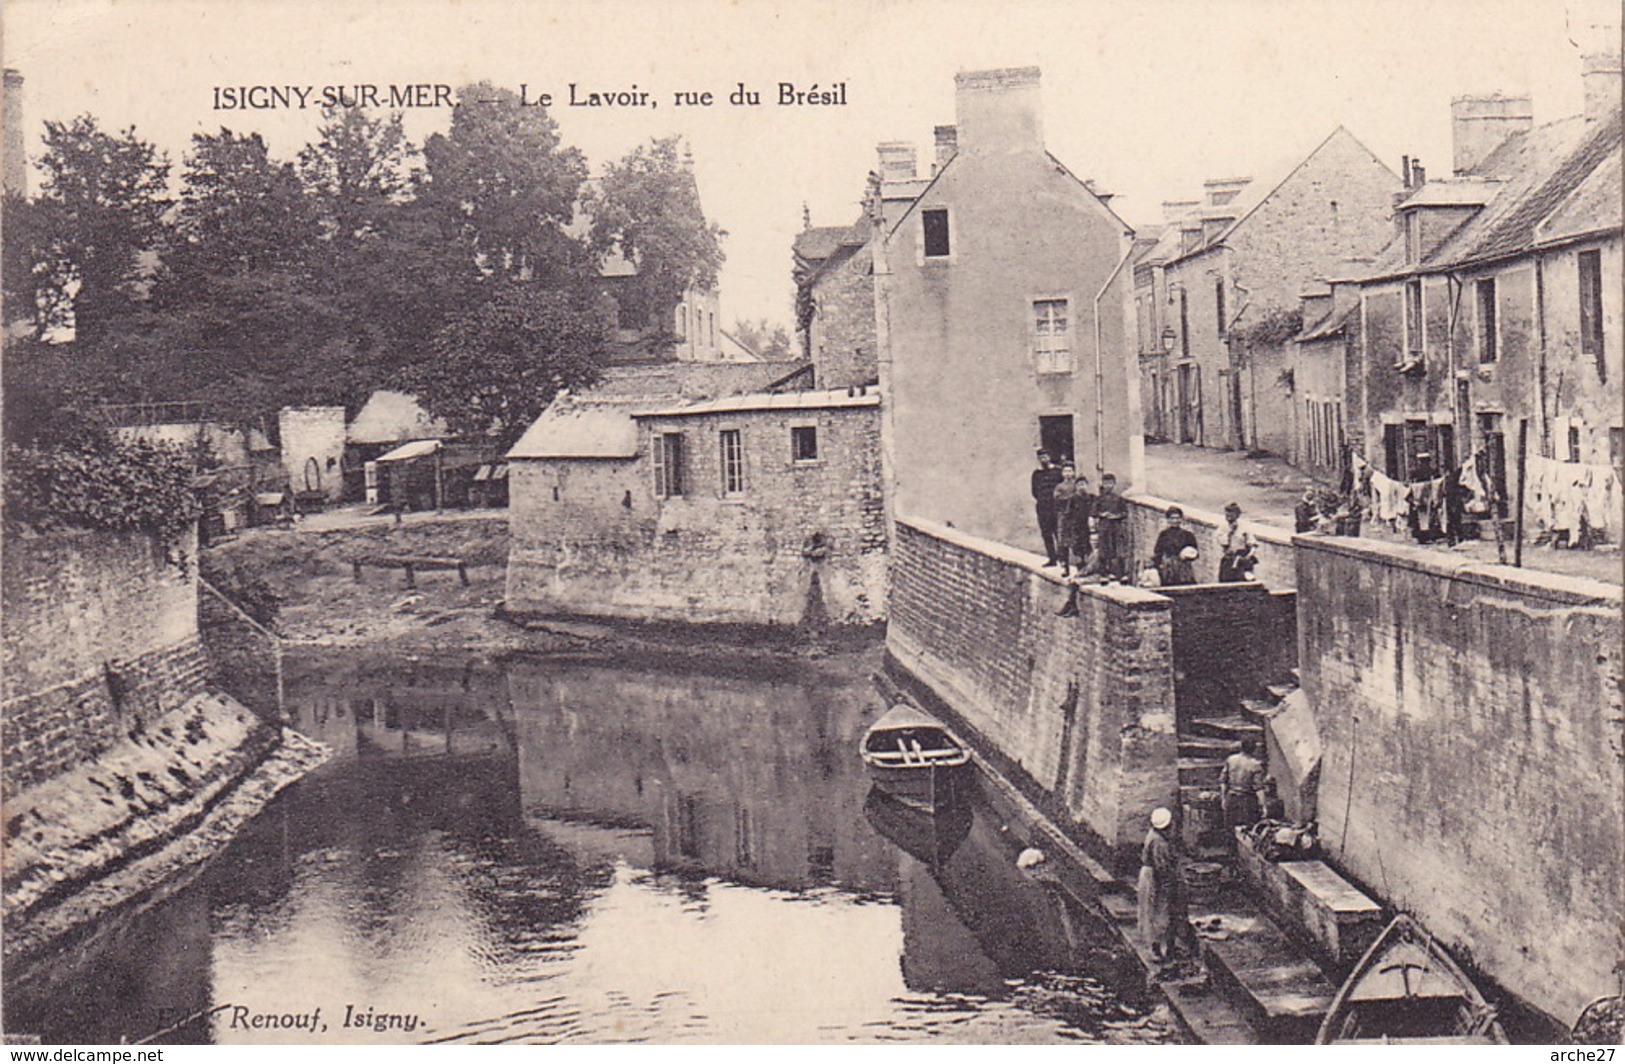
point(100, 634)
point(1473, 756)
point(591, 537)
point(1277, 566)
point(1081, 706)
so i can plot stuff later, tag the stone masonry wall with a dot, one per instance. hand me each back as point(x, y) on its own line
point(1229, 641)
point(1474, 768)
point(843, 326)
point(100, 634)
point(591, 537)
point(1083, 706)
point(314, 432)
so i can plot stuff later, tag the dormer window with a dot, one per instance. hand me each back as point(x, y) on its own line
point(1413, 237)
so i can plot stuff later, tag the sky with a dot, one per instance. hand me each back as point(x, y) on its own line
point(1147, 97)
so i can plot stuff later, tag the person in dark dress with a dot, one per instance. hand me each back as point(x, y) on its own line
point(1175, 552)
point(1044, 480)
point(1111, 531)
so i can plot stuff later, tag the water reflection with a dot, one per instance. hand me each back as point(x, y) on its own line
point(530, 851)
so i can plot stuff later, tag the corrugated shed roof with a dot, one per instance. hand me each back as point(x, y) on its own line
point(569, 430)
point(817, 400)
point(408, 451)
point(391, 417)
point(1454, 192)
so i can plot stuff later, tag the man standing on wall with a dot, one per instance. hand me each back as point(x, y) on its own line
point(1044, 480)
point(1073, 504)
point(1111, 531)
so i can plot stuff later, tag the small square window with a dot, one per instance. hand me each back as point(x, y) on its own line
point(804, 443)
point(935, 224)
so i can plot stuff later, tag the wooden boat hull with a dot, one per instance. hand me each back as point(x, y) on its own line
point(915, 760)
point(1407, 990)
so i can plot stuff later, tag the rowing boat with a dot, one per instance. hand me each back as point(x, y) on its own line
point(1406, 989)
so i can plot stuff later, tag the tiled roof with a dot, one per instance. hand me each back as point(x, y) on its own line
point(1332, 324)
point(818, 400)
point(1554, 182)
point(1539, 169)
point(569, 430)
point(822, 241)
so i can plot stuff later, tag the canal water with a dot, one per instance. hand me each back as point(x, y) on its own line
point(537, 851)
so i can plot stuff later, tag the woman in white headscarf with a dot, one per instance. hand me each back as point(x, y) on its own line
point(1162, 907)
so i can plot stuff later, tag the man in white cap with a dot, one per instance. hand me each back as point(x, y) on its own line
point(1162, 908)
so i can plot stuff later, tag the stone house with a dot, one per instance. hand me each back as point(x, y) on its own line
point(1220, 299)
point(1494, 314)
point(1003, 319)
point(759, 508)
point(835, 302)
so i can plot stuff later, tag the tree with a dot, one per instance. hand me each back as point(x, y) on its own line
point(502, 169)
point(356, 171)
point(495, 368)
point(24, 265)
point(100, 212)
point(646, 208)
point(768, 339)
point(240, 212)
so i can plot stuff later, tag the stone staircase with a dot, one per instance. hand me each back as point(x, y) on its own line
point(1248, 958)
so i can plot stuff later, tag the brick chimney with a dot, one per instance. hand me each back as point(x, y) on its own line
point(897, 161)
point(999, 111)
point(16, 164)
point(1480, 124)
point(1601, 76)
point(947, 144)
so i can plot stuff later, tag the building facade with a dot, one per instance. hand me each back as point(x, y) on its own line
point(1217, 298)
point(763, 508)
point(1003, 319)
point(1490, 326)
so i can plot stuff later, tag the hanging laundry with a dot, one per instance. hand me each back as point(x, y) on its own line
point(1389, 501)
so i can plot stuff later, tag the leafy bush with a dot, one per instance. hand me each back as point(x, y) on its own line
point(100, 482)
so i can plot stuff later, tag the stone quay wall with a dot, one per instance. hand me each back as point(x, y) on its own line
point(1082, 707)
point(1474, 764)
point(101, 637)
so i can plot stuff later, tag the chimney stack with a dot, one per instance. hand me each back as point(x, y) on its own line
point(1601, 75)
point(1480, 124)
point(11, 116)
point(947, 144)
point(897, 162)
point(999, 111)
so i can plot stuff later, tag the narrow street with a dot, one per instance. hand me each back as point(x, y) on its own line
point(1267, 488)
